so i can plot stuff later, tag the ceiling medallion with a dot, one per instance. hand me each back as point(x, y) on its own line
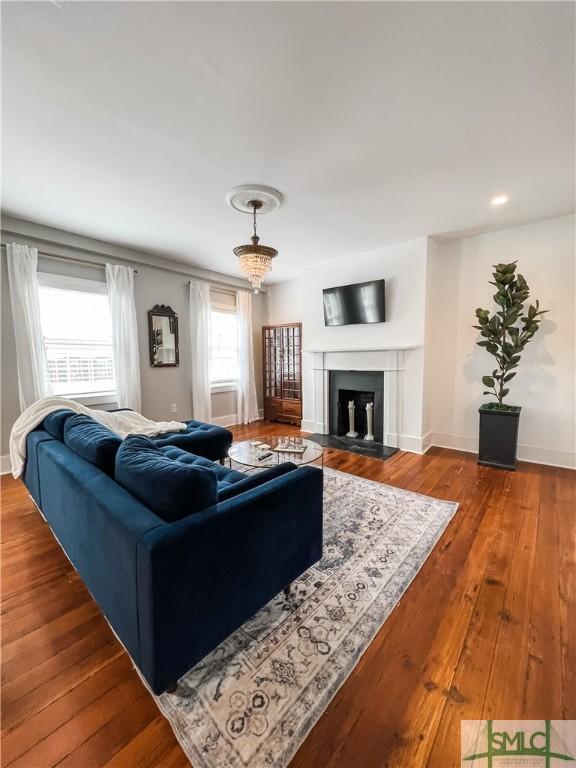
point(255, 259)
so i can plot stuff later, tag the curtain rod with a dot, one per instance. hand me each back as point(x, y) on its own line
point(84, 262)
point(89, 262)
point(222, 287)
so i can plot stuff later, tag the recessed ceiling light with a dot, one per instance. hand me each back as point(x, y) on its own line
point(500, 199)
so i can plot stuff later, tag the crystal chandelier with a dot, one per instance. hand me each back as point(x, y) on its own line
point(255, 259)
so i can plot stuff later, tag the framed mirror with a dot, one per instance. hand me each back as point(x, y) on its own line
point(163, 336)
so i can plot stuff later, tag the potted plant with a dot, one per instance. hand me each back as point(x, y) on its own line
point(505, 334)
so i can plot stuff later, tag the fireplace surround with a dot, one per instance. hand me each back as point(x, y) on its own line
point(401, 370)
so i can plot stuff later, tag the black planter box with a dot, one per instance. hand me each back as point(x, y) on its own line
point(498, 438)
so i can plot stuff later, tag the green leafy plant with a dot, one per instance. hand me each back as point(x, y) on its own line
point(503, 337)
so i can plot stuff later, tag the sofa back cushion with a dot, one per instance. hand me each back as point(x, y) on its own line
point(169, 488)
point(54, 422)
point(93, 441)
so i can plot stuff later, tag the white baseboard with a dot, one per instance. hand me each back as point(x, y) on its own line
point(232, 419)
point(312, 427)
point(426, 442)
point(531, 453)
point(225, 421)
point(411, 443)
point(538, 455)
point(457, 442)
point(391, 439)
point(5, 466)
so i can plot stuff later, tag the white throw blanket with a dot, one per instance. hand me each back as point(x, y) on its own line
point(123, 423)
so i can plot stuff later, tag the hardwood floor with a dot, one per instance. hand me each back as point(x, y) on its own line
point(487, 629)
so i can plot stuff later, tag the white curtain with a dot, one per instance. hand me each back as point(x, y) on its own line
point(120, 282)
point(33, 379)
point(200, 338)
point(247, 402)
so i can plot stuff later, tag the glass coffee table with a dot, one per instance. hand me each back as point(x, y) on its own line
point(258, 453)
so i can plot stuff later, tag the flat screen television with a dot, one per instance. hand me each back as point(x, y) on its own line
point(355, 304)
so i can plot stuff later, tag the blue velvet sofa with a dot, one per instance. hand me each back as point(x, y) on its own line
point(171, 590)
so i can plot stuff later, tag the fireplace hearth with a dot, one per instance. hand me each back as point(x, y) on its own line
point(362, 447)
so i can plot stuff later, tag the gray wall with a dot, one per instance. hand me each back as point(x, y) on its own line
point(154, 284)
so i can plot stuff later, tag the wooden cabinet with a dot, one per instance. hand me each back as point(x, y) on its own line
point(282, 350)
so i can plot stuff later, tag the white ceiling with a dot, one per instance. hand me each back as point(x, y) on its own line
point(379, 122)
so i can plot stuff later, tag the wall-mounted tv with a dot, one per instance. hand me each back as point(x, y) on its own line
point(355, 304)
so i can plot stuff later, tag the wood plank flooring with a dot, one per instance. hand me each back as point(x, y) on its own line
point(487, 629)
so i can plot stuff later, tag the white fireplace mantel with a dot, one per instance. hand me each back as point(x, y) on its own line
point(317, 365)
point(358, 349)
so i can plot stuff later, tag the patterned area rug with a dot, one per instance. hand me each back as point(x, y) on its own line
point(253, 700)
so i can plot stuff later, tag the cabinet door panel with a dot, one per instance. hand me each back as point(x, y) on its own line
point(282, 371)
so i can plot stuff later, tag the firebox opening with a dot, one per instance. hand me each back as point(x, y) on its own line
point(360, 400)
point(361, 388)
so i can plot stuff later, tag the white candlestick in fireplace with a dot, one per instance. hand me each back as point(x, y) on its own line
point(351, 432)
point(369, 421)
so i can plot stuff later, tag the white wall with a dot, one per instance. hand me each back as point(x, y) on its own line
point(458, 274)
point(285, 302)
point(403, 266)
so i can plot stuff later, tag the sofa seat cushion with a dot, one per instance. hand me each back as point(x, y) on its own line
point(225, 477)
point(172, 489)
point(202, 439)
point(54, 422)
point(93, 441)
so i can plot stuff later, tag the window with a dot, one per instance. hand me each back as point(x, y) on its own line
point(224, 344)
point(77, 330)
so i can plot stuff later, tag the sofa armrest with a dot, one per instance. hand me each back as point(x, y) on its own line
point(253, 481)
point(201, 578)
